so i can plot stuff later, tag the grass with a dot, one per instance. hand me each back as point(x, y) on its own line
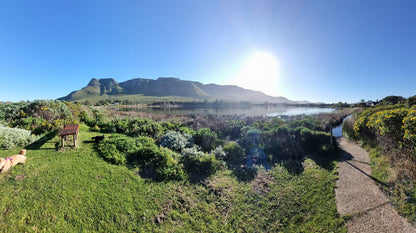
point(401, 192)
point(76, 191)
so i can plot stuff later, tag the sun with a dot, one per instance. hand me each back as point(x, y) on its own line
point(260, 72)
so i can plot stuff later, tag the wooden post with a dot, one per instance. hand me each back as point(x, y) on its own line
point(63, 141)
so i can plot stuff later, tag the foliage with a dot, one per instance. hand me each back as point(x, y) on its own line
point(143, 153)
point(411, 101)
point(391, 129)
point(12, 111)
point(218, 153)
point(391, 100)
point(348, 128)
point(233, 128)
point(234, 153)
point(206, 138)
point(176, 141)
point(197, 163)
point(389, 122)
point(116, 149)
point(14, 137)
point(41, 115)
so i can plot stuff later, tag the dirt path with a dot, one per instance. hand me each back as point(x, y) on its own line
point(358, 196)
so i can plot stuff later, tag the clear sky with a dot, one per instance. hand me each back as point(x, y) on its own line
point(321, 51)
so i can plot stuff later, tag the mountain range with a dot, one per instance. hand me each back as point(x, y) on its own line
point(163, 87)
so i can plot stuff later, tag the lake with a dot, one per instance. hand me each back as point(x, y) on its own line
point(248, 111)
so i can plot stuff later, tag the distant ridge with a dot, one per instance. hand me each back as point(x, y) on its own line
point(172, 87)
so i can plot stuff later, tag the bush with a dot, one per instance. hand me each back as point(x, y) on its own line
point(156, 161)
point(218, 153)
point(233, 128)
point(117, 149)
point(206, 139)
point(198, 163)
point(142, 152)
point(14, 137)
point(348, 129)
point(234, 153)
point(176, 141)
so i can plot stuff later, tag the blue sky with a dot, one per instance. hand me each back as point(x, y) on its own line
point(326, 51)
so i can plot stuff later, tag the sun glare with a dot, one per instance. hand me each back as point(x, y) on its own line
point(260, 72)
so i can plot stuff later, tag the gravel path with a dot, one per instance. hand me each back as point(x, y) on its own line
point(358, 196)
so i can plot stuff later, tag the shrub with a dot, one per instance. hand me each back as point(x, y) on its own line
point(206, 139)
point(176, 141)
point(14, 137)
point(117, 149)
point(218, 153)
point(389, 122)
point(348, 129)
point(145, 127)
point(251, 139)
point(167, 167)
point(411, 101)
point(305, 137)
point(234, 153)
point(233, 128)
point(159, 162)
point(409, 125)
point(43, 115)
point(390, 100)
point(197, 163)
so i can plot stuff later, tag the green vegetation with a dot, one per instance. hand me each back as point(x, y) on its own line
point(149, 176)
point(389, 132)
point(14, 137)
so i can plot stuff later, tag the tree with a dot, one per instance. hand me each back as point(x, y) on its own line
point(392, 99)
point(411, 101)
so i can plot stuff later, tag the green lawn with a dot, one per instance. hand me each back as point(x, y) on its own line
point(76, 191)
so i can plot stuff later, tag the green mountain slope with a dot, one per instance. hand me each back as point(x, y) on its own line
point(163, 87)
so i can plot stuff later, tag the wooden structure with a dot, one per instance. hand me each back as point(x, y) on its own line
point(69, 130)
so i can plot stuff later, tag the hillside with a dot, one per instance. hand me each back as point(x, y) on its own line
point(172, 87)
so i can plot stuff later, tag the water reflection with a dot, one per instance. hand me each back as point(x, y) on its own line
point(249, 111)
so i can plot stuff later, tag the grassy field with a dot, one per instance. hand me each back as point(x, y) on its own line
point(76, 191)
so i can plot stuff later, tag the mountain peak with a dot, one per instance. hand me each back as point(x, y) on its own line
point(94, 82)
point(170, 86)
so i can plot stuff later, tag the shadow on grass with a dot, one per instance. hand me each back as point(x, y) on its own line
point(293, 166)
point(40, 142)
point(326, 160)
point(244, 174)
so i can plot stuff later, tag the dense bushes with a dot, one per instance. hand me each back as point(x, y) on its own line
point(200, 153)
point(40, 116)
point(130, 127)
point(157, 162)
point(390, 131)
point(14, 137)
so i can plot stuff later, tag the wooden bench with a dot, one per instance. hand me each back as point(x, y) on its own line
point(69, 130)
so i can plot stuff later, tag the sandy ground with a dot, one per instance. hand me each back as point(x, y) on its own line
point(358, 196)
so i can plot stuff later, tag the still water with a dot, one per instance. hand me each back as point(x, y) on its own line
point(249, 111)
point(337, 131)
